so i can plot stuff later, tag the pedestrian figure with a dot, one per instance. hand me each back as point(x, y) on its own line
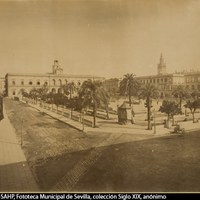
point(1, 108)
point(132, 116)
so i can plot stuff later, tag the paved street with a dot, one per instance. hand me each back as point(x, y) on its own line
point(112, 125)
point(109, 158)
point(15, 174)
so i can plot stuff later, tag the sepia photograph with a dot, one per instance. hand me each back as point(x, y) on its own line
point(99, 96)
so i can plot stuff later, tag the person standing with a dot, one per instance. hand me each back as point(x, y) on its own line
point(132, 116)
point(1, 108)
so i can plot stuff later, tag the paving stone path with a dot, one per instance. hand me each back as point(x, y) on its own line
point(73, 176)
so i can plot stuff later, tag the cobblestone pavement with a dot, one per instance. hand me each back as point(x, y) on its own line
point(72, 177)
point(15, 174)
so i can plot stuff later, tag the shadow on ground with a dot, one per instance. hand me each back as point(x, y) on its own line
point(168, 164)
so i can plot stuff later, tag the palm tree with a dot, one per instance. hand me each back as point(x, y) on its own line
point(181, 93)
point(129, 86)
point(148, 93)
point(90, 92)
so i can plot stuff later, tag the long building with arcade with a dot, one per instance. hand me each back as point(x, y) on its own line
point(15, 83)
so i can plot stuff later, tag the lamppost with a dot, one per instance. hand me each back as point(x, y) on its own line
point(83, 125)
point(154, 129)
point(22, 121)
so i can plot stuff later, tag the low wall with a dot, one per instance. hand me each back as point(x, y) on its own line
point(87, 122)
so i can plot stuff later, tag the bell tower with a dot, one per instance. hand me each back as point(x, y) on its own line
point(57, 70)
point(161, 66)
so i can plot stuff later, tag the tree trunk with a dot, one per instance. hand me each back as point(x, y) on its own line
point(129, 100)
point(94, 114)
point(181, 105)
point(70, 95)
point(149, 114)
point(173, 122)
point(167, 123)
point(193, 117)
point(71, 112)
point(107, 113)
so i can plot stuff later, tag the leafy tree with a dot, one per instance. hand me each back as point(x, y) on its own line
point(181, 93)
point(104, 100)
point(34, 94)
point(59, 99)
point(76, 103)
point(43, 91)
point(24, 93)
point(193, 106)
point(171, 108)
point(148, 93)
point(168, 95)
point(70, 88)
point(50, 98)
point(129, 86)
point(195, 94)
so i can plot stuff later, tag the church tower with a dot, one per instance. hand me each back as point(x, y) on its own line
point(161, 66)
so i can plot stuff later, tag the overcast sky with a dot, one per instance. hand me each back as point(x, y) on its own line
point(100, 37)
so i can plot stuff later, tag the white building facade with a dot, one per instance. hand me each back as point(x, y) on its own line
point(15, 83)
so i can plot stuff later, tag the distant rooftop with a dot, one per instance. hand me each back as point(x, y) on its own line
point(191, 71)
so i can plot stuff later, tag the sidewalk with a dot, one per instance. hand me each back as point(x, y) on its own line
point(111, 126)
point(15, 175)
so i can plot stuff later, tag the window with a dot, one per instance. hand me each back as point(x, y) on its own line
point(60, 82)
point(13, 93)
point(165, 80)
point(54, 82)
point(30, 83)
point(22, 82)
point(13, 82)
point(46, 83)
point(192, 87)
point(38, 83)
